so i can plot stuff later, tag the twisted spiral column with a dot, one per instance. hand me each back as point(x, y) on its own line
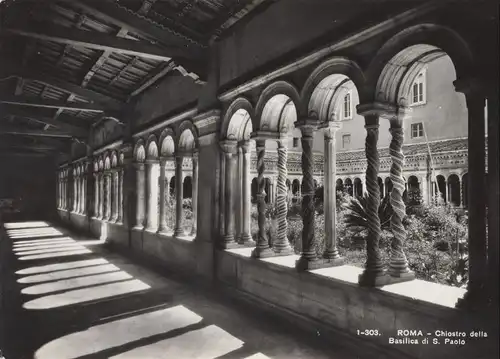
point(229, 148)
point(374, 269)
point(398, 266)
point(308, 258)
point(281, 245)
point(262, 248)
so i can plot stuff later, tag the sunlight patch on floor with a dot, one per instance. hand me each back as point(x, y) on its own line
point(62, 266)
point(86, 295)
point(52, 255)
point(118, 333)
point(75, 246)
point(69, 273)
point(40, 244)
point(14, 225)
point(74, 283)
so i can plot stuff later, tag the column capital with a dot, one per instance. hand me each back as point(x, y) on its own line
point(228, 146)
point(307, 125)
point(195, 154)
point(264, 135)
point(330, 128)
point(245, 146)
point(139, 166)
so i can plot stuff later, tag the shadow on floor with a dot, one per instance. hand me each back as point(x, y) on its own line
point(72, 298)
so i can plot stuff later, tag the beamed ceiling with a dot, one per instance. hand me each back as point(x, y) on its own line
point(66, 65)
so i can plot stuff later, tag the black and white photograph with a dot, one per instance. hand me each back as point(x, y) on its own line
point(249, 179)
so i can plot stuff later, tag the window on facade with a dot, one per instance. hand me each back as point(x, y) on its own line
point(295, 142)
point(346, 140)
point(417, 130)
point(418, 90)
point(347, 113)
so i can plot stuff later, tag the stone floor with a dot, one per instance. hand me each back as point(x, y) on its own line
point(69, 297)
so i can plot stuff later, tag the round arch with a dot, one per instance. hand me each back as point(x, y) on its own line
point(152, 147)
point(329, 74)
point(167, 143)
point(398, 59)
point(187, 137)
point(139, 151)
point(238, 107)
point(274, 107)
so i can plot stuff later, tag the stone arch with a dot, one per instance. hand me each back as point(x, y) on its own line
point(339, 185)
point(276, 108)
point(320, 91)
point(400, 59)
point(348, 185)
point(167, 143)
point(187, 187)
point(454, 189)
point(237, 120)
point(96, 166)
point(114, 159)
point(358, 187)
point(107, 162)
point(139, 151)
point(152, 147)
point(187, 139)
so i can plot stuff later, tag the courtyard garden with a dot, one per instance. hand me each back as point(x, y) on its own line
point(436, 244)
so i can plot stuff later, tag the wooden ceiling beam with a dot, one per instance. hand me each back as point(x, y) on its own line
point(38, 102)
point(30, 74)
point(62, 125)
point(102, 41)
point(120, 16)
point(40, 133)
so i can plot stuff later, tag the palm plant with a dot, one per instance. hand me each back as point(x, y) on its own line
point(356, 217)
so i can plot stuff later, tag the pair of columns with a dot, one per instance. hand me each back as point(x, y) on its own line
point(147, 195)
point(233, 152)
point(309, 259)
point(108, 196)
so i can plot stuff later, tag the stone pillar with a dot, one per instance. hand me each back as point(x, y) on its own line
point(398, 266)
point(308, 258)
point(246, 236)
point(447, 190)
point(162, 226)
point(331, 253)
point(229, 148)
point(84, 194)
point(179, 230)
point(139, 222)
point(281, 244)
point(74, 196)
point(114, 208)
point(262, 249)
point(476, 204)
point(108, 195)
point(102, 197)
point(425, 190)
point(195, 193)
point(119, 216)
point(152, 196)
point(238, 188)
point(96, 195)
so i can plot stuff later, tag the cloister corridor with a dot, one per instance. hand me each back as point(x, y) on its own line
point(69, 297)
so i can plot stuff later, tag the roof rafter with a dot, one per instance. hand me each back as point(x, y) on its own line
point(101, 41)
point(41, 133)
point(136, 23)
point(29, 74)
point(40, 102)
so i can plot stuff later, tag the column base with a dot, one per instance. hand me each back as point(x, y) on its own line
point(398, 277)
point(179, 232)
point(138, 228)
point(334, 262)
point(151, 229)
point(259, 252)
point(229, 245)
point(373, 279)
point(287, 251)
point(305, 264)
point(246, 240)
